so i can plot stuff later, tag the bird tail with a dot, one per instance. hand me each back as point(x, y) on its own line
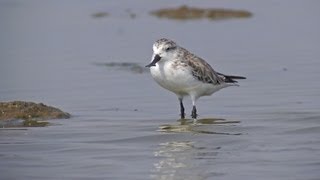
point(231, 78)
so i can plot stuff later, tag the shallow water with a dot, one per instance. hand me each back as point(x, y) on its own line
point(49, 53)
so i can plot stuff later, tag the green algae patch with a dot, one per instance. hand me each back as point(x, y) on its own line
point(32, 114)
point(197, 127)
point(34, 123)
point(206, 121)
point(192, 13)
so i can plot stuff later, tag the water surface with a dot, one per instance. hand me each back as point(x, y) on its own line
point(50, 51)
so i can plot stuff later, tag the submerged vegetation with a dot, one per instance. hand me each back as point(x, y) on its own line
point(188, 125)
point(192, 13)
point(126, 66)
point(100, 14)
point(185, 12)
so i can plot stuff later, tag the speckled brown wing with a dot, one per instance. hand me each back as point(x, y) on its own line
point(202, 70)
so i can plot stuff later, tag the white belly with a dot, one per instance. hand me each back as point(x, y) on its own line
point(181, 81)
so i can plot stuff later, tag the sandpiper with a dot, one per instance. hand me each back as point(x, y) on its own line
point(185, 74)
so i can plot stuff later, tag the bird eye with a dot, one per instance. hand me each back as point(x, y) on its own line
point(169, 48)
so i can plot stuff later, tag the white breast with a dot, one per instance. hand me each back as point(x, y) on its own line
point(176, 79)
point(180, 80)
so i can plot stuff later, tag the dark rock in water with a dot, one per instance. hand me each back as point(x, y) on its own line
point(32, 113)
point(192, 13)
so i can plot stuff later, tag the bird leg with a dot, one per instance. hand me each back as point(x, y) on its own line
point(194, 112)
point(182, 115)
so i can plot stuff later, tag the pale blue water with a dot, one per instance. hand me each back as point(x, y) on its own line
point(48, 52)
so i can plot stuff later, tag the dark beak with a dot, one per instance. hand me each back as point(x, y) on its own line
point(154, 61)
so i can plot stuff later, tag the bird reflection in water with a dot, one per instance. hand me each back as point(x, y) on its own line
point(181, 159)
point(176, 161)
